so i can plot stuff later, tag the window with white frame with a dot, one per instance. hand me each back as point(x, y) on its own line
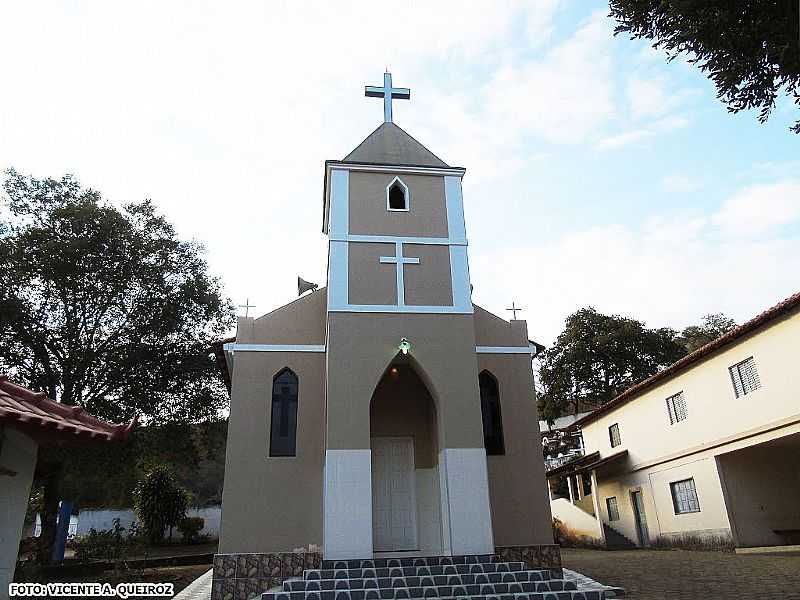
point(684, 496)
point(397, 195)
point(613, 508)
point(744, 376)
point(613, 435)
point(676, 407)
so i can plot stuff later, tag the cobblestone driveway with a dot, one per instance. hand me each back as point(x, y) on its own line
point(683, 575)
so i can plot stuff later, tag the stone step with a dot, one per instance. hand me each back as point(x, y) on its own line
point(401, 594)
point(411, 581)
point(409, 561)
point(378, 572)
point(428, 591)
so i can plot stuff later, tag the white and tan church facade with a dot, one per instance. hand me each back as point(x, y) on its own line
point(384, 414)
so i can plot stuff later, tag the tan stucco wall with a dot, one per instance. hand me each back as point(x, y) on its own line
point(714, 413)
point(273, 504)
point(369, 280)
point(491, 330)
point(402, 406)
point(299, 322)
point(517, 487)
point(429, 283)
point(361, 346)
point(368, 213)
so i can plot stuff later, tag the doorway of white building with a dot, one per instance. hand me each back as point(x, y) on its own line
point(640, 517)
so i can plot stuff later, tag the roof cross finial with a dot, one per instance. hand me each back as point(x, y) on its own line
point(247, 306)
point(388, 93)
point(514, 309)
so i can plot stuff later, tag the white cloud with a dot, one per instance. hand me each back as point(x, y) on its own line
point(564, 97)
point(681, 183)
point(668, 271)
point(759, 209)
point(641, 134)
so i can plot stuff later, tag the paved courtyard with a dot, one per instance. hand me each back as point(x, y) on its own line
point(684, 575)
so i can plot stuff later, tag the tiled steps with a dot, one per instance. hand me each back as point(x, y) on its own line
point(417, 571)
point(475, 577)
point(553, 595)
point(416, 561)
point(418, 581)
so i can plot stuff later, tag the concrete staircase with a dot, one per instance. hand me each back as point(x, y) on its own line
point(615, 540)
point(478, 577)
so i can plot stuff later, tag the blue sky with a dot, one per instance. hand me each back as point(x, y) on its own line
point(596, 172)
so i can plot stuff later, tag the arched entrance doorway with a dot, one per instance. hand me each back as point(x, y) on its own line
point(406, 501)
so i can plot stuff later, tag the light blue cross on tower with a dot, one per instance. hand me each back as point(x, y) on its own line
point(388, 93)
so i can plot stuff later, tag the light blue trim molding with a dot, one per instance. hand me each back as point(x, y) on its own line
point(459, 273)
point(393, 239)
point(454, 201)
point(340, 200)
point(502, 349)
point(338, 276)
point(407, 309)
point(234, 347)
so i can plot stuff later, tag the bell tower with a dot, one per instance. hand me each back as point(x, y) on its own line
point(394, 215)
point(398, 271)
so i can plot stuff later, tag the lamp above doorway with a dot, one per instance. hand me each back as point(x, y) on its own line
point(404, 346)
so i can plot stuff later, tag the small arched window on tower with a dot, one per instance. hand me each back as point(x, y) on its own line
point(490, 411)
point(397, 196)
point(283, 422)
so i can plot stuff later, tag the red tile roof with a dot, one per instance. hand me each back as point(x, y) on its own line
point(779, 310)
point(48, 420)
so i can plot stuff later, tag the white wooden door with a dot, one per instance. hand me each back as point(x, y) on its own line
point(394, 502)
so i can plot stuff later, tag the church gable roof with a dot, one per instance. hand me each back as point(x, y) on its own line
point(391, 145)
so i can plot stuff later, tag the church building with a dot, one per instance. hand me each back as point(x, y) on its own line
point(384, 412)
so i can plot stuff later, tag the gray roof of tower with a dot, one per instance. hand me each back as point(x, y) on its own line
point(391, 145)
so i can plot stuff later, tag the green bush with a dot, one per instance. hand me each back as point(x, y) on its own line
point(159, 502)
point(110, 544)
point(190, 528)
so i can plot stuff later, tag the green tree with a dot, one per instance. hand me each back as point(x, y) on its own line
point(713, 326)
point(597, 357)
point(159, 503)
point(750, 49)
point(106, 308)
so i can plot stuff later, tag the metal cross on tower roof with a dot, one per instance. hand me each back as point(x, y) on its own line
point(514, 309)
point(388, 93)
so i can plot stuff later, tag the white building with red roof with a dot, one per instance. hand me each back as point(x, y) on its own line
point(28, 420)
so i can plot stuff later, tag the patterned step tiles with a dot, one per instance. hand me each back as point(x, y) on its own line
point(479, 577)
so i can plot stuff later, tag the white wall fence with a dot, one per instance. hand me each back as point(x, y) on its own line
point(103, 519)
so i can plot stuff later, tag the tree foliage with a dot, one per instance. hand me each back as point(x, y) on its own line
point(750, 49)
point(713, 326)
point(159, 502)
point(106, 307)
point(597, 357)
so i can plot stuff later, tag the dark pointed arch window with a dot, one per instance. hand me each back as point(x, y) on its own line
point(397, 195)
point(490, 411)
point(283, 432)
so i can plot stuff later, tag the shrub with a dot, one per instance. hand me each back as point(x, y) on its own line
point(190, 527)
point(566, 538)
point(689, 541)
point(111, 544)
point(159, 503)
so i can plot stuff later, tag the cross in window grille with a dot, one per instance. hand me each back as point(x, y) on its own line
point(676, 407)
point(744, 377)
